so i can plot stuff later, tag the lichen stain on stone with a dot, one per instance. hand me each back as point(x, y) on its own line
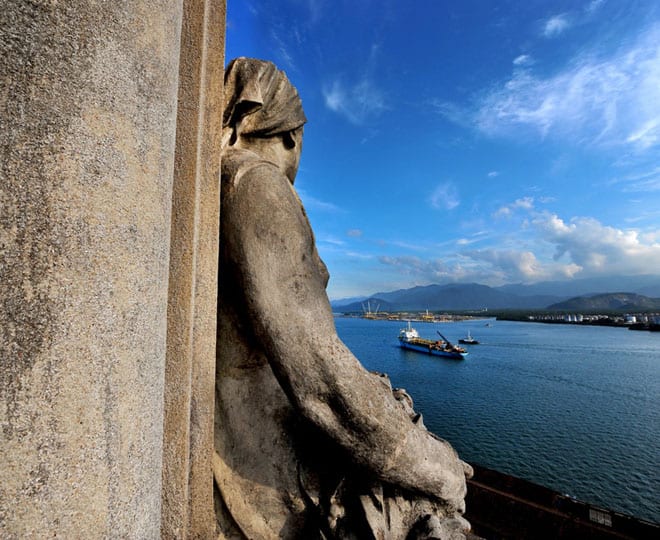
point(45, 67)
point(84, 218)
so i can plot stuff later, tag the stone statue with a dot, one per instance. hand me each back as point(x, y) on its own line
point(308, 443)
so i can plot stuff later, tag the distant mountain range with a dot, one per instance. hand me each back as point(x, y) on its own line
point(647, 285)
point(608, 302)
point(546, 295)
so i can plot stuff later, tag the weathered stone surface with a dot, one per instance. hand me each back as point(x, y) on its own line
point(192, 298)
point(88, 102)
point(307, 441)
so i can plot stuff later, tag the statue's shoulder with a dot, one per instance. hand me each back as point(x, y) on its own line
point(238, 163)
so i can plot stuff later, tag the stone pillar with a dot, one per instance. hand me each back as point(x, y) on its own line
point(190, 375)
point(88, 96)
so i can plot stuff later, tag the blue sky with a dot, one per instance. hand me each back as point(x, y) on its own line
point(471, 141)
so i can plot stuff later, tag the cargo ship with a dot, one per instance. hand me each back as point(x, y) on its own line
point(409, 339)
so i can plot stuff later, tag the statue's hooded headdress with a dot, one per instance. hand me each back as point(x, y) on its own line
point(260, 100)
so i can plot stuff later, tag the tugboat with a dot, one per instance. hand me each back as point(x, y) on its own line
point(409, 339)
point(469, 340)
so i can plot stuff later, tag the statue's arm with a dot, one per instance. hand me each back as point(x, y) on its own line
point(270, 249)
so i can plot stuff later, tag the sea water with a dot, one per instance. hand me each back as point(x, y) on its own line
point(574, 408)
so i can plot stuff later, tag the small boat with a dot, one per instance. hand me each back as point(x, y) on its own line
point(409, 339)
point(469, 340)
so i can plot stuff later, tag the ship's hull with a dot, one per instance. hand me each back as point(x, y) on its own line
point(503, 506)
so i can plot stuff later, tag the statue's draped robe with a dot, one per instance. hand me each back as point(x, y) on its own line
point(301, 427)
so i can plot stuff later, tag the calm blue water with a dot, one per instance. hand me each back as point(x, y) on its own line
point(574, 408)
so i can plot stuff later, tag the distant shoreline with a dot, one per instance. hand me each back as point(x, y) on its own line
point(616, 321)
point(605, 321)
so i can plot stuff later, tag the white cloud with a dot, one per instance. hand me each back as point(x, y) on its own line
point(335, 96)
point(358, 102)
point(546, 200)
point(424, 270)
point(651, 237)
point(597, 248)
point(647, 134)
point(611, 101)
point(556, 25)
point(475, 238)
point(525, 203)
point(358, 255)
point(593, 6)
point(582, 246)
point(493, 174)
point(354, 233)
point(466, 241)
point(488, 266)
point(523, 60)
point(521, 265)
point(445, 196)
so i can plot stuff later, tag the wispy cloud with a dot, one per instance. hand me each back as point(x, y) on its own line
point(640, 182)
point(546, 199)
point(310, 202)
point(467, 241)
point(424, 270)
point(594, 6)
point(358, 255)
point(445, 197)
point(283, 50)
point(647, 134)
point(252, 9)
point(648, 216)
point(493, 174)
point(610, 101)
point(357, 97)
point(326, 239)
point(407, 245)
point(287, 38)
point(556, 25)
point(354, 233)
point(315, 8)
point(358, 102)
point(650, 184)
point(451, 112)
point(523, 60)
point(525, 203)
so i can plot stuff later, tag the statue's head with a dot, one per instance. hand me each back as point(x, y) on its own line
point(263, 113)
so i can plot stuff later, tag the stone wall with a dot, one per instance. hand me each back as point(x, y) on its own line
point(88, 100)
point(192, 306)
